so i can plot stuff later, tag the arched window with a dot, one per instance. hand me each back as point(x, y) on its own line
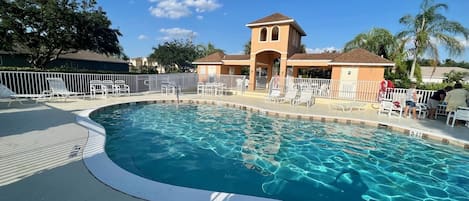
point(263, 34)
point(275, 33)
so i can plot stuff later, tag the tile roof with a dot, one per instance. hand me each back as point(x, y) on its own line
point(237, 57)
point(272, 18)
point(360, 55)
point(319, 56)
point(214, 57)
point(277, 18)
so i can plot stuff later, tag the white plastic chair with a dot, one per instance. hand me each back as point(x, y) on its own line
point(58, 88)
point(120, 87)
point(96, 86)
point(389, 108)
point(462, 113)
point(108, 87)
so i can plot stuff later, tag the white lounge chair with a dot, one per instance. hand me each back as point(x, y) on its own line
point(306, 96)
point(120, 87)
point(5, 92)
point(462, 113)
point(290, 95)
point(57, 88)
point(273, 95)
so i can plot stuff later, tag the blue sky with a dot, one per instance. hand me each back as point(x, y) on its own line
point(328, 24)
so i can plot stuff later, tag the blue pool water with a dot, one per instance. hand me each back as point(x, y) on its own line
point(230, 150)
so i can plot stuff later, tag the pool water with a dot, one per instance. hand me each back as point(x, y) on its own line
point(229, 150)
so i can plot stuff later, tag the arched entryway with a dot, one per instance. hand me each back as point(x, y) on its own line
point(265, 65)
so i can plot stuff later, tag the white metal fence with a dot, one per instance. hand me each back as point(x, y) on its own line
point(35, 82)
point(360, 90)
point(237, 83)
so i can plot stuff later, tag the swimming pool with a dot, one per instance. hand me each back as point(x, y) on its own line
point(230, 150)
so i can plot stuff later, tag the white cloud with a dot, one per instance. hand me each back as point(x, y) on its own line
point(177, 33)
point(200, 17)
point(201, 6)
point(142, 37)
point(321, 50)
point(175, 9)
point(463, 41)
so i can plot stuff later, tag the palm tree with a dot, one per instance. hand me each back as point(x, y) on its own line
point(207, 50)
point(247, 47)
point(379, 41)
point(428, 29)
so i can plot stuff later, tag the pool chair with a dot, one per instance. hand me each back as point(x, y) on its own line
point(389, 108)
point(57, 88)
point(290, 95)
point(273, 96)
point(109, 87)
point(462, 113)
point(121, 88)
point(306, 96)
point(96, 86)
point(5, 92)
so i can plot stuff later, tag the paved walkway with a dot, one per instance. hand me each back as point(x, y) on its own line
point(40, 144)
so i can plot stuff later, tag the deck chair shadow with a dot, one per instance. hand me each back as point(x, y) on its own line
point(57, 88)
point(5, 92)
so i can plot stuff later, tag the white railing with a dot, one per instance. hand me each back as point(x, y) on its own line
point(361, 90)
point(35, 82)
point(237, 83)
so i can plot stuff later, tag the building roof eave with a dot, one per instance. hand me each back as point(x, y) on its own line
point(361, 64)
point(206, 63)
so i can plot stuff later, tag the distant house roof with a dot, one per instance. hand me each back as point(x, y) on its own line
point(91, 56)
point(316, 56)
point(80, 55)
point(361, 56)
point(276, 18)
point(440, 71)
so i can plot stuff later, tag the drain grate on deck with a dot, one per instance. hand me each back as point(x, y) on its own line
point(75, 151)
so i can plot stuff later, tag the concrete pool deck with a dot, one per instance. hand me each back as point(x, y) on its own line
point(41, 144)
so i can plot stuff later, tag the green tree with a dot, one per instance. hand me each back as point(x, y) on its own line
point(209, 49)
point(46, 29)
point(454, 76)
point(379, 41)
point(176, 53)
point(429, 26)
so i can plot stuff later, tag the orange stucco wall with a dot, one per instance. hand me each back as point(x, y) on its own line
point(281, 45)
point(375, 73)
